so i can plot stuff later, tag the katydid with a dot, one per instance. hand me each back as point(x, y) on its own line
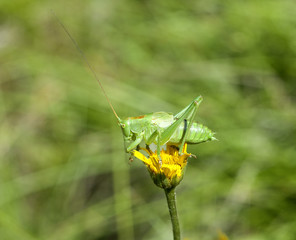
point(159, 128)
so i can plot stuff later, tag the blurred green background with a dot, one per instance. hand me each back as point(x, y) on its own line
point(63, 171)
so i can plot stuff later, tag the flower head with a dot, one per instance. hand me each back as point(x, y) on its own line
point(167, 168)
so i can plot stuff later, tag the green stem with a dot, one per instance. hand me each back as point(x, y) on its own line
point(171, 199)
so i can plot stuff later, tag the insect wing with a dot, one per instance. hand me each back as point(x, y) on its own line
point(162, 119)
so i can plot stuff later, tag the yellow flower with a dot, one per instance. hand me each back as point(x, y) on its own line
point(167, 169)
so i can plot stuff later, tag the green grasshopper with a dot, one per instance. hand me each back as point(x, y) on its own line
point(159, 128)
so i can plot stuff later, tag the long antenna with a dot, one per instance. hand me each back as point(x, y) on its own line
point(86, 61)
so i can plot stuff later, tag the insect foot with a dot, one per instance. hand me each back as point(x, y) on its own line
point(159, 160)
point(130, 160)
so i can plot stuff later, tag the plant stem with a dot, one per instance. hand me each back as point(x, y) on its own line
point(171, 199)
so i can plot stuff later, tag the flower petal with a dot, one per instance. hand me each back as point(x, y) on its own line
point(141, 156)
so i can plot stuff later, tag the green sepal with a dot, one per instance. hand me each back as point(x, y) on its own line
point(163, 182)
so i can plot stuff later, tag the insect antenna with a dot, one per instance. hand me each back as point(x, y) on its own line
point(86, 61)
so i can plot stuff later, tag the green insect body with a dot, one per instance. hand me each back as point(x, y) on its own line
point(162, 128)
point(159, 127)
point(148, 124)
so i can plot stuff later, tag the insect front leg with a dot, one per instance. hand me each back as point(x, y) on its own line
point(187, 113)
point(135, 143)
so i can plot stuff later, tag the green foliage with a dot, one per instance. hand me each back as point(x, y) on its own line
point(63, 172)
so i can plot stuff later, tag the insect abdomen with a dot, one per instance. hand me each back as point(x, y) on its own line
point(198, 133)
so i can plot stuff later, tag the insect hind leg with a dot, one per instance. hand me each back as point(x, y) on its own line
point(188, 113)
point(187, 128)
point(198, 100)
